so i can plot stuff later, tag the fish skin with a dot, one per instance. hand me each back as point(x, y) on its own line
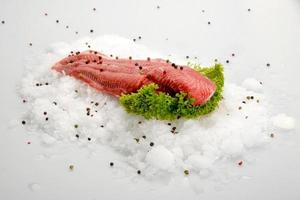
point(123, 76)
point(115, 83)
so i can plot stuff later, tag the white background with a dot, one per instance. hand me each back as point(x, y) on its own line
point(269, 33)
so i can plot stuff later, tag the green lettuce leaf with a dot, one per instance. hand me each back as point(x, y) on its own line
point(152, 105)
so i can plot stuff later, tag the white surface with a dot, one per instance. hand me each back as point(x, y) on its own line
point(266, 34)
point(283, 121)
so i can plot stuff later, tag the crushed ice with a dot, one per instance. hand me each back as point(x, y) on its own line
point(239, 124)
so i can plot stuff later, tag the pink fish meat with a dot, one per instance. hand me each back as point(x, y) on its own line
point(118, 76)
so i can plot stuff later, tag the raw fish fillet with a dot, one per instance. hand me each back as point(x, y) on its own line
point(117, 76)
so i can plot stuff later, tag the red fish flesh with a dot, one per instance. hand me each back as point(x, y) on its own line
point(117, 76)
